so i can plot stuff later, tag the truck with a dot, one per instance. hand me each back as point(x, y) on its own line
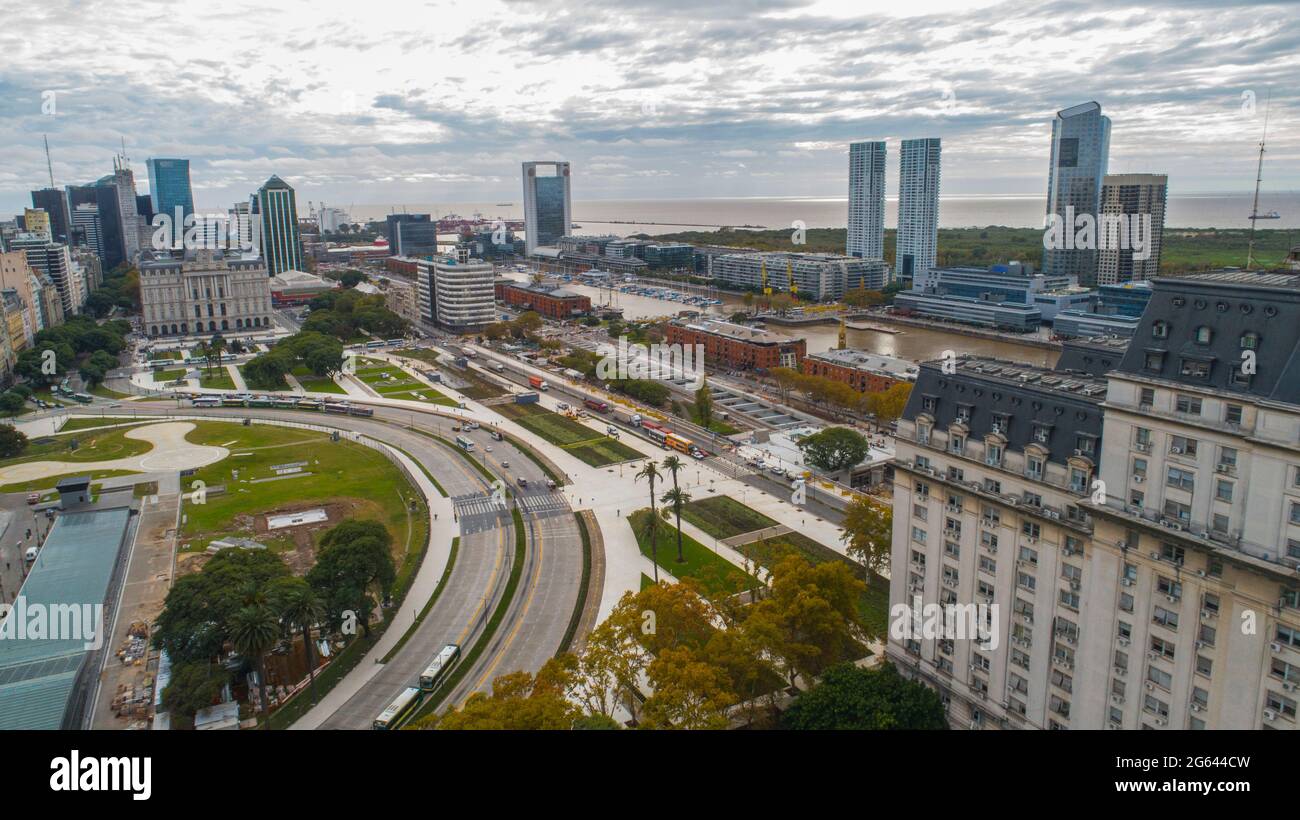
point(538, 383)
point(526, 398)
point(498, 367)
point(597, 405)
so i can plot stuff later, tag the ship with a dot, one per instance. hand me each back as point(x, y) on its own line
point(1269, 215)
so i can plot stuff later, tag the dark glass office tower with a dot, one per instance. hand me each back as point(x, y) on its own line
point(1080, 149)
point(277, 209)
point(169, 189)
point(547, 205)
point(52, 201)
point(412, 235)
point(113, 251)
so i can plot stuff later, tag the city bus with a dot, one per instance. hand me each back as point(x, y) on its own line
point(360, 411)
point(399, 709)
point(465, 444)
point(260, 401)
point(439, 667)
point(597, 405)
point(284, 403)
point(336, 407)
point(233, 401)
point(82, 398)
point(206, 401)
point(657, 434)
point(309, 404)
point(678, 443)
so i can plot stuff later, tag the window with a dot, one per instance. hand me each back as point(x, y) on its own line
point(1165, 618)
point(1282, 705)
point(1162, 648)
point(1042, 433)
point(1160, 329)
point(1204, 666)
point(1180, 479)
point(1141, 437)
point(1188, 404)
point(1169, 587)
point(922, 434)
point(992, 486)
point(1204, 334)
point(1085, 444)
point(1195, 369)
point(1207, 634)
point(1227, 460)
point(963, 413)
point(1078, 480)
point(1159, 677)
point(956, 444)
point(1033, 500)
point(993, 455)
point(1140, 467)
point(1295, 512)
point(1250, 340)
point(1147, 398)
point(1155, 360)
point(1232, 414)
point(929, 403)
point(1030, 529)
point(918, 535)
point(1034, 468)
point(1223, 490)
point(1182, 446)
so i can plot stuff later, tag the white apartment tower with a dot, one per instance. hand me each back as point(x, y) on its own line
point(1128, 197)
point(916, 246)
point(866, 235)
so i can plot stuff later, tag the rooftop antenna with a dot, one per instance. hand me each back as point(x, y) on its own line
point(49, 165)
point(1259, 177)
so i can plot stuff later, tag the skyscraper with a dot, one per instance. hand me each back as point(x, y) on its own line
point(547, 204)
point(274, 205)
point(123, 180)
point(1129, 201)
point(1080, 149)
point(53, 202)
point(866, 200)
point(103, 196)
point(169, 187)
point(916, 247)
point(85, 223)
point(412, 235)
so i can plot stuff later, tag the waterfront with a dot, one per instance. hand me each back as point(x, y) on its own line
point(912, 343)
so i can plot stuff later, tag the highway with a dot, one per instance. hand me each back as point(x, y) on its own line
point(543, 602)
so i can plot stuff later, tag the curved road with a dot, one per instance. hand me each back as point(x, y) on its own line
point(542, 606)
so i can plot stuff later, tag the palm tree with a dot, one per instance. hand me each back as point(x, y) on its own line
point(651, 473)
point(678, 498)
point(303, 609)
point(674, 465)
point(217, 346)
point(202, 350)
point(255, 631)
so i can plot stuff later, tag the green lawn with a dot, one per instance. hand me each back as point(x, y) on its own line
point(218, 379)
point(338, 470)
point(583, 442)
point(716, 575)
point(89, 447)
point(724, 517)
point(48, 482)
point(313, 383)
point(106, 393)
point(393, 382)
point(169, 375)
point(479, 388)
point(90, 422)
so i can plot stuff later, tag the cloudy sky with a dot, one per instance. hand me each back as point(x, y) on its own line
point(395, 102)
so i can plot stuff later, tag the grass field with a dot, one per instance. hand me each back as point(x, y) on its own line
point(313, 383)
point(218, 379)
point(479, 388)
point(725, 517)
point(105, 392)
point(49, 482)
point(716, 575)
point(580, 440)
point(89, 422)
point(93, 446)
point(393, 382)
point(337, 471)
point(169, 375)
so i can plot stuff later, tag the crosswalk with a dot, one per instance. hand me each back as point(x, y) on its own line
point(541, 503)
point(479, 511)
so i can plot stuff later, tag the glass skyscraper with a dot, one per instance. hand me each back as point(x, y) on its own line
point(276, 209)
point(169, 189)
point(916, 246)
point(1080, 148)
point(547, 204)
point(866, 237)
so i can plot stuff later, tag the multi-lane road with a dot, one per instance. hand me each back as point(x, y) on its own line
point(542, 605)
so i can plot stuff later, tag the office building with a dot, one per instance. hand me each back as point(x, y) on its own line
point(204, 292)
point(1080, 151)
point(917, 243)
point(814, 276)
point(104, 198)
point(86, 225)
point(412, 234)
point(122, 181)
point(36, 221)
point(866, 235)
point(275, 208)
point(737, 347)
point(863, 371)
point(331, 219)
point(169, 188)
point(548, 207)
point(54, 262)
point(990, 311)
point(55, 204)
point(1129, 202)
point(456, 293)
point(1123, 599)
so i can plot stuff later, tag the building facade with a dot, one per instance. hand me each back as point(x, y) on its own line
point(548, 207)
point(815, 276)
point(275, 208)
point(1126, 197)
point(54, 262)
point(54, 202)
point(411, 234)
point(863, 371)
point(1080, 153)
point(916, 247)
point(738, 347)
point(551, 302)
point(456, 294)
point(204, 293)
point(1127, 537)
point(170, 192)
point(866, 235)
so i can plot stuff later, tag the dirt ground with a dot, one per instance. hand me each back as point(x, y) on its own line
point(302, 557)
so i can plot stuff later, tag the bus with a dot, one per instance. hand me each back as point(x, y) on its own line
point(206, 401)
point(398, 710)
point(260, 401)
point(373, 345)
point(439, 667)
point(360, 411)
point(336, 407)
point(394, 341)
point(658, 435)
point(678, 443)
point(82, 398)
point(465, 444)
point(232, 402)
point(597, 405)
point(284, 403)
point(309, 404)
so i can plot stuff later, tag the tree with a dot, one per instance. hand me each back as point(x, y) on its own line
point(704, 405)
point(834, 448)
point(254, 631)
point(352, 278)
point(809, 620)
point(651, 474)
point(10, 404)
point(689, 692)
point(868, 532)
point(302, 608)
point(678, 498)
point(888, 404)
point(520, 701)
point(354, 559)
point(193, 686)
point(848, 697)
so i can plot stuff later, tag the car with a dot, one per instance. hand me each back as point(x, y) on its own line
point(455, 428)
point(487, 449)
point(31, 554)
point(496, 435)
point(470, 425)
point(505, 465)
point(550, 483)
point(521, 481)
point(33, 498)
point(698, 455)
